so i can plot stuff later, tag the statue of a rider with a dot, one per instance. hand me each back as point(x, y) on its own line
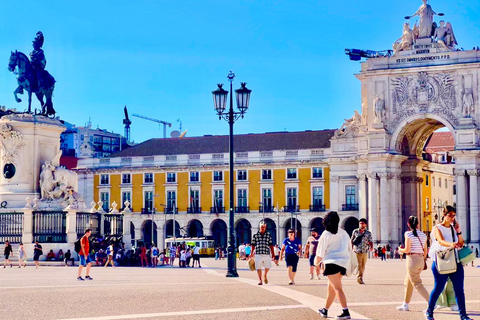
point(38, 61)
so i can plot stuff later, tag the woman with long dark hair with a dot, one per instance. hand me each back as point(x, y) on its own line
point(446, 235)
point(334, 250)
point(416, 251)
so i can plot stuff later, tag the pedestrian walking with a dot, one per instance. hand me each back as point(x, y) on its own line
point(196, 256)
point(188, 255)
point(110, 252)
point(85, 259)
point(143, 256)
point(445, 235)
point(276, 253)
point(334, 250)
point(7, 251)
point(37, 252)
point(262, 252)
point(173, 254)
point(154, 255)
point(21, 255)
point(241, 251)
point(362, 243)
point(292, 247)
point(416, 251)
point(311, 251)
point(248, 251)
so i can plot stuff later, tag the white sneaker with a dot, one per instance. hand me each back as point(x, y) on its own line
point(311, 277)
point(403, 307)
point(318, 277)
point(454, 307)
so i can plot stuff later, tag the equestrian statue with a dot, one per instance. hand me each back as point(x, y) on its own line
point(32, 76)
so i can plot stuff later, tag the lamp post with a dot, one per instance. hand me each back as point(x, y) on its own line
point(278, 223)
point(220, 103)
point(262, 209)
point(164, 225)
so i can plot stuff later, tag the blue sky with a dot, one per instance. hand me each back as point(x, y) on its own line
point(162, 59)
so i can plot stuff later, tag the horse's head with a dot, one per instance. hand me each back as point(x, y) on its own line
point(12, 62)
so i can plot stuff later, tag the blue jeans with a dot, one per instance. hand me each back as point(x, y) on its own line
point(441, 280)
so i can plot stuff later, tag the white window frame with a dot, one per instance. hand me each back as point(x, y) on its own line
point(271, 175)
point(296, 173)
point(101, 179)
point(222, 176)
point(145, 176)
point(321, 172)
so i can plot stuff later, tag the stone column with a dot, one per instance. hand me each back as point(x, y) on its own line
point(27, 235)
point(334, 193)
point(373, 223)
point(385, 207)
point(474, 207)
point(395, 224)
point(462, 202)
point(362, 195)
point(71, 226)
point(305, 235)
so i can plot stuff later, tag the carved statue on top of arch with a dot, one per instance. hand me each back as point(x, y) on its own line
point(468, 103)
point(350, 126)
point(379, 109)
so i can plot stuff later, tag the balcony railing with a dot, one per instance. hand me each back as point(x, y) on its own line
point(291, 209)
point(194, 210)
point(147, 210)
point(266, 209)
point(350, 207)
point(317, 208)
point(242, 209)
point(171, 210)
point(217, 209)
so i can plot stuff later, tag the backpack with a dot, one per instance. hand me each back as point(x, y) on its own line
point(78, 245)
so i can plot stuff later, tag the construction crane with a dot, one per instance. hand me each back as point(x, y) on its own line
point(165, 124)
point(127, 122)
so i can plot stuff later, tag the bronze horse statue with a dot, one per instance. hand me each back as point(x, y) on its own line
point(29, 81)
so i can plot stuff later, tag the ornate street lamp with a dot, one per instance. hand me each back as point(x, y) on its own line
point(220, 104)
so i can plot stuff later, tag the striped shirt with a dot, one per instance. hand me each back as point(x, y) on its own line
point(416, 243)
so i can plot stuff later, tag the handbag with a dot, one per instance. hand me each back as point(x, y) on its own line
point(251, 264)
point(446, 260)
point(353, 265)
point(466, 255)
point(425, 267)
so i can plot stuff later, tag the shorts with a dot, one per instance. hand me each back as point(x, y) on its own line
point(84, 262)
point(292, 261)
point(277, 257)
point(311, 259)
point(35, 257)
point(266, 259)
point(6, 256)
point(331, 269)
point(196, 257)
point(247, 255)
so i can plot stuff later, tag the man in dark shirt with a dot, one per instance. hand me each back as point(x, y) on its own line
point(262, 251)
point(68, 257)
point(6, 253)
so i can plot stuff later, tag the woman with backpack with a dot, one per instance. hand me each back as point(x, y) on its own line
point(416, 251)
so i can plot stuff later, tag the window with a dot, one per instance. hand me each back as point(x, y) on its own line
point(427, 204)
point(445, 183)
point(126, 196)
point(267, 199)
point(292, 199)
point(148, 201)
point(104, 179)
point(242, 198)
point(195, 200)
point(242, 175)
point(440, 182)
point(171, 200)
point(171, 177)
point(218, 199)
point(350, 197)
point(317, 173)
point(433, 181)
point(217, 175)
point(454, 189)
point(104, 197)
point(148, 178)
point(126, 178)
point(291, 173)
point(426, 180)
point(266, 174)
point(194, 176)
point(317, 197)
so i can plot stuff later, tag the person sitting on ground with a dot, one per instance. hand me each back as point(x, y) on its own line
point(50, 255)
point(60, 255)
point(68, 257)
point(100, 258)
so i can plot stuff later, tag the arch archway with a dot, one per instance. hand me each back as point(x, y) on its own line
point(272, 228)
point(195, 228)
point(219, 232)
point(169, 229)
point(243, 231)
point(295, 224)
point(317, 223)
point(149, 232)
point(350, 224)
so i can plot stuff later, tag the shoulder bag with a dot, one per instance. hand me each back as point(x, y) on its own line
point(425, 267)
point(446, 260)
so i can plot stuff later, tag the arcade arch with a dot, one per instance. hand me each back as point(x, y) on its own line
point(219, 232)
point(195, 228)
point(149, 231)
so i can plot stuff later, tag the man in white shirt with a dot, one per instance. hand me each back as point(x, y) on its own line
point(196, 256)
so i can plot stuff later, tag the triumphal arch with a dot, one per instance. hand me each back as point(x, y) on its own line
point(423, 84)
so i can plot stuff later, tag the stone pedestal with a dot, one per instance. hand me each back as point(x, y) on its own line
point(26, 141)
